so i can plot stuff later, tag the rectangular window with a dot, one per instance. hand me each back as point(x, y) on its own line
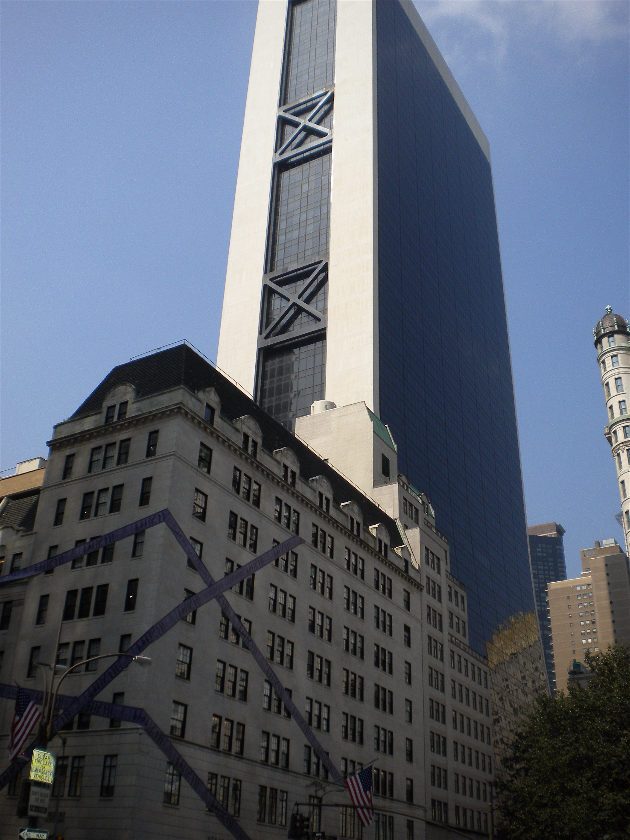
point(93, 649)
point(145, 492)
point(215, 732)
point(116, 498)
point(204, 459)
point(118, 699)
point(100, 599)
point(178, 719)
point(137, 549)
point(108, 455)
point(108, 775)
point(86, 505)
point(100, 507)
point(197, 548)
point(77, 652)
point(59, 511)
point(96, 455)
point(131, 595)
point(68, 464)
point(172, 784)
point(5, 614)
point(70, 604)
point(85, 602)
point(191, 617)
point(123, 451)
point(33, 661)
point(152, 442)
point(76, 775)
point(183, 663)
point(409, 790)
point(200, 505)
point(42, 609)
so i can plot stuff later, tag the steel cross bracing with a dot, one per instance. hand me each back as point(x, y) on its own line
point(137, 716)
point(304, 118)
point(275, 328)
point(213, 590)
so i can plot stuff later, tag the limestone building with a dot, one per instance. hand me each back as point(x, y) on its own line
point(363, 623)
point(590, 612)
point(612, 342)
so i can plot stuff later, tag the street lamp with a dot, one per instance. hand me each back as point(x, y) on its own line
point(50, 694)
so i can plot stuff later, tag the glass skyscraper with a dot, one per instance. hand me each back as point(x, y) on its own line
point(546, 550)
point(364, 266)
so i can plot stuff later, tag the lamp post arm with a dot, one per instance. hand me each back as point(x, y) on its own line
point(55, 692)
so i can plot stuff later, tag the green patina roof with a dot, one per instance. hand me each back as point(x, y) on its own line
point(382, 430)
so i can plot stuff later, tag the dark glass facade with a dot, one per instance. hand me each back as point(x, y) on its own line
point(445, 381)
point(546, 551)
point(445, 377)
point(291, 363)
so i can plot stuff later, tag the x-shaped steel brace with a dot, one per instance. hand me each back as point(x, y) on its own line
point(296, 303)
point(213, 590)
point(305, 125)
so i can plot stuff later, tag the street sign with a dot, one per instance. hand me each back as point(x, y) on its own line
point(42, 766)
point(33, 834)
point(38, 800)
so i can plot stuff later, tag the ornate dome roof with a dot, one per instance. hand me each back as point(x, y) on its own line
point(610, 323)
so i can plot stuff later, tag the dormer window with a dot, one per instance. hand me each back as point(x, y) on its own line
point(324, 502)
point(118, 412)
point(249, 445)
point(289, 475)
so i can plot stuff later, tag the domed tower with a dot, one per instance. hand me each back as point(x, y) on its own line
point(612, 342)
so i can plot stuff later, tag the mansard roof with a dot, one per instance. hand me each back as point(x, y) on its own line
point(181, 366)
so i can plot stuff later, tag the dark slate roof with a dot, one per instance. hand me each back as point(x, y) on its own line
point(18, 511)
point(182, 366)
point(610, 323)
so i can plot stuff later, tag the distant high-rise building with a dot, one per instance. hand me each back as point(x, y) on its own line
point(364, 267)
point(546, 552)
point(592, 611)
point(612, 342)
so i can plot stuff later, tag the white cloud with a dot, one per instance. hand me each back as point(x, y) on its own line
point(484, 29)
point(580, 20)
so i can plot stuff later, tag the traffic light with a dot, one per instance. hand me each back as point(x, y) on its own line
point(295, 828)
point(299, 826)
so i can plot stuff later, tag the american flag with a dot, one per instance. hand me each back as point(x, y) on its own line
point(360, 790)
point(24, 720)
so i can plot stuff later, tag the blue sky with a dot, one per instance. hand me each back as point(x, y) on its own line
point(121, 125)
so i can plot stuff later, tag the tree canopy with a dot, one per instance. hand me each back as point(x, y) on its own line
point(567, 776)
